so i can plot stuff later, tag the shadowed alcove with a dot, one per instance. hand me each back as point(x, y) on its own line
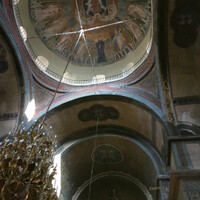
point(109, 165)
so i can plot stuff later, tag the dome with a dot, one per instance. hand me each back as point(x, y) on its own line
point(80, 40)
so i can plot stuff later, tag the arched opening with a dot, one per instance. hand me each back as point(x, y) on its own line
point(109, 166)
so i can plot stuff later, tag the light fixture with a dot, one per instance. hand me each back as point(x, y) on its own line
point(25, 163)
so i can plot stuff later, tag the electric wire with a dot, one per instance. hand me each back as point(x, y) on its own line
point(92, 167)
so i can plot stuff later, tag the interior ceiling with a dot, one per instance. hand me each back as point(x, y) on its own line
point(165, 97)
point(102, 39)
point(184, 75)
point(82, 115)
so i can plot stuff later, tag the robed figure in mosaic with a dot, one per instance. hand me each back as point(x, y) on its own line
point(100, 45)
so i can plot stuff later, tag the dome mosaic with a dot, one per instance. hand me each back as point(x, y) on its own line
point(98, 34)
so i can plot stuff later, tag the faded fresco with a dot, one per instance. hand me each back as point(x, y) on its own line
point(107, 154)
point(112, 28)
point(114, 194)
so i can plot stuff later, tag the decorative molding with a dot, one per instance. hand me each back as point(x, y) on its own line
point(113, 174)
point(179, 101)
point(133, 78)
point(8, 116)
point(168, 102)
point(162, 57)
point(188, 129)
point(3, 62)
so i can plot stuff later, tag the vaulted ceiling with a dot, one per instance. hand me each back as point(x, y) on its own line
point(149, 96)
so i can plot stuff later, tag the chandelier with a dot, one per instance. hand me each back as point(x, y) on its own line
point(26, 165)
point(27, 159)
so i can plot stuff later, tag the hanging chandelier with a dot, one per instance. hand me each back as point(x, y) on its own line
point(26, 165)
point(27, 159)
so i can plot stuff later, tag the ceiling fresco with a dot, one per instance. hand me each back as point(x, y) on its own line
point(99, 112)
point(111, 29)
point(107, 154)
